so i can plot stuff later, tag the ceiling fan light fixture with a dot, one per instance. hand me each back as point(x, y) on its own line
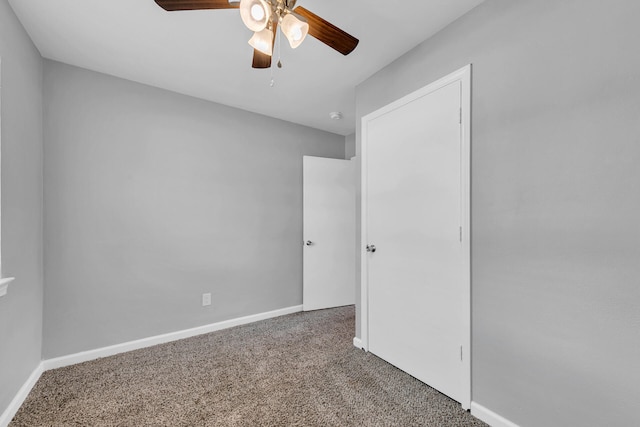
point(295, 29)
point(255, 14)
point(263, 41)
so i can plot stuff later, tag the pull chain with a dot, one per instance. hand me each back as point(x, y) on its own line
point(272, 83)
point(279, 49)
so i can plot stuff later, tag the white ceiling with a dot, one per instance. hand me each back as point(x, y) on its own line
point(205, 53)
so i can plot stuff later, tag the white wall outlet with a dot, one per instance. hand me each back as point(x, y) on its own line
point(206, 299)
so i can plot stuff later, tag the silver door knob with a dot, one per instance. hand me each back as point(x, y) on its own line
point(308, 243)
point(371, 248)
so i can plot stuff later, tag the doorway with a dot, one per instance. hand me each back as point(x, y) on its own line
point(329, 233)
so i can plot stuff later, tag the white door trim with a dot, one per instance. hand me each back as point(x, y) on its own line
point(462, 75)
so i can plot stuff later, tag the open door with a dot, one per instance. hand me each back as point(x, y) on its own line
point(329, 233)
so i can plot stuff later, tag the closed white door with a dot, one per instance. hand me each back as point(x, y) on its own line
point(417, 283)
point(329, 233)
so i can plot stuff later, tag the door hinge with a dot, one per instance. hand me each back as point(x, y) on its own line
point(460, 116)
point(460, 234)
point(461, 353)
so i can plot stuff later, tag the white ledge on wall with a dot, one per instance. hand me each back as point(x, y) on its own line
point(4, 285)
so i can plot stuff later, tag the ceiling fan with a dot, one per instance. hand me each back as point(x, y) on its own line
point(264, 16)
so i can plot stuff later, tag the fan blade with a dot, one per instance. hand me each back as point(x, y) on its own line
point(328, 33)
point(171, 5)
point(261, 60)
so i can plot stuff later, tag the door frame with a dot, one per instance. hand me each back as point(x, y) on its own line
point(463, 76)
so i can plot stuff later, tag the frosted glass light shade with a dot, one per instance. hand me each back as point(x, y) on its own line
point(255, 14)
point(263, 41)
point(295, 29)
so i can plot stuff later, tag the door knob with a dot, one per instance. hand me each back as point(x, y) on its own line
point(308, 243)
point(371, 248)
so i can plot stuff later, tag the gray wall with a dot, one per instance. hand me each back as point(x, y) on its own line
point(21, 308)
point(555, 202)
point(153, 198)
point(349, 146)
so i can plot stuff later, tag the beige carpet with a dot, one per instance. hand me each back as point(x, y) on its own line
point(296, 370)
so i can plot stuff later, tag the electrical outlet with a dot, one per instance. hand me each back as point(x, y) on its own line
point(206, 299)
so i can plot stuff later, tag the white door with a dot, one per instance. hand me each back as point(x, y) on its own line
point(417, 277)
point(329, 233)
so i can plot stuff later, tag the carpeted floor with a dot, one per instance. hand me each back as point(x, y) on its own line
point(296, 370)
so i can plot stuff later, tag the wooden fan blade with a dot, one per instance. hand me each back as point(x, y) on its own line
point(261, 60)
point(171, 5)
point(328, 33)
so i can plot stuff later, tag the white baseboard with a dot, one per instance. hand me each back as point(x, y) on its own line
point(8, 414)
point(86, 356)
point(357, 342)
point(490, 417)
